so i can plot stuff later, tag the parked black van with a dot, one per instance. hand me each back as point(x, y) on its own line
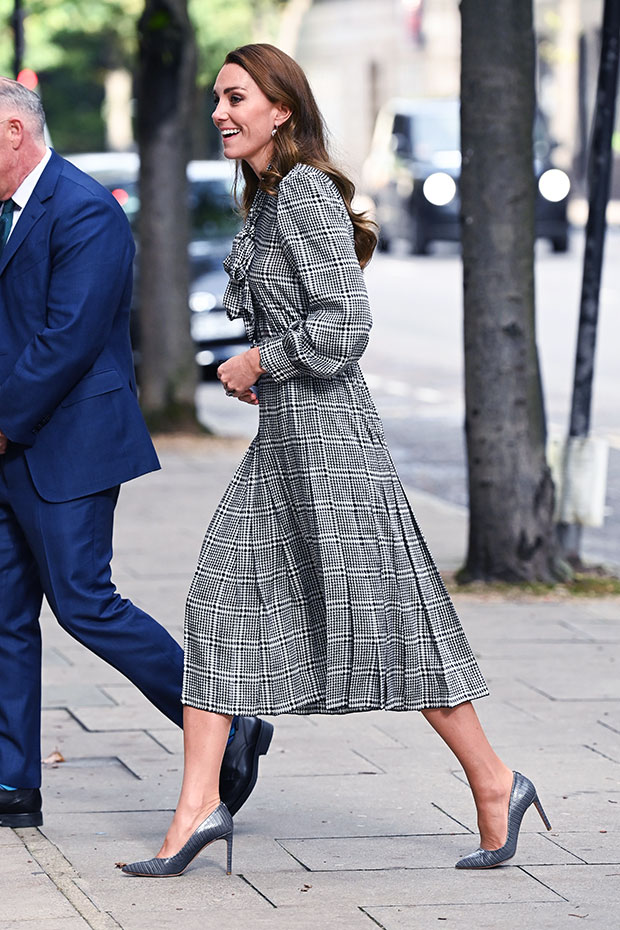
point(413, 170)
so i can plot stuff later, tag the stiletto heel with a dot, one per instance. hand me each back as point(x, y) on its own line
point(523, 794)
point(217, 826)
point(541, 811)
point(229, 841)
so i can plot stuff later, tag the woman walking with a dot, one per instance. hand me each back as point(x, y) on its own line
point(315, 591)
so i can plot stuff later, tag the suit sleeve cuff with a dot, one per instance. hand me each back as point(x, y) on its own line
point(20, 437)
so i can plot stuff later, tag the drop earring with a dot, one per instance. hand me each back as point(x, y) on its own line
point(274, 130)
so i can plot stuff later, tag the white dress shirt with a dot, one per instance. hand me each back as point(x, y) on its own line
point(22, 195)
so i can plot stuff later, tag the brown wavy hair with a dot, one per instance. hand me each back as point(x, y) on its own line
point(301, 138)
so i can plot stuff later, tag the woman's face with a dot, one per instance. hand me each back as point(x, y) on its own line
point(245, 117)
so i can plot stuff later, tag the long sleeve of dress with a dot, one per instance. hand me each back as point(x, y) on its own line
point(317, 240)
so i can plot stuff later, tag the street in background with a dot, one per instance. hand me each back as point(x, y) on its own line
point(412, 174)
point(414, 368)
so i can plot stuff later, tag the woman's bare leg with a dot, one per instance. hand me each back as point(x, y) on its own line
point(489, 779)
point(204, 739)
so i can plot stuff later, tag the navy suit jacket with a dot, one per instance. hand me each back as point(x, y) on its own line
point(67, 384)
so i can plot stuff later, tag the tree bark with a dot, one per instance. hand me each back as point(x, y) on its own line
point(511, 534)
point(165, 91)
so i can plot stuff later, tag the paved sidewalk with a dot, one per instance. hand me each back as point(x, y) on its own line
point(356, 822)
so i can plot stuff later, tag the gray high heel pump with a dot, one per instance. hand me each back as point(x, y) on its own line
point(217, 826)
point(523, 794)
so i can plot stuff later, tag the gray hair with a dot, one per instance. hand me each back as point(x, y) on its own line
point(25, 103)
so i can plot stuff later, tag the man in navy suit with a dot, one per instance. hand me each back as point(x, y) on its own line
point(71, 432)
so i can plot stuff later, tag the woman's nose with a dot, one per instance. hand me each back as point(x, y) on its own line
point(219, 112)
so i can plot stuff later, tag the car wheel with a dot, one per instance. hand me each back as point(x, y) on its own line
point(560, 243)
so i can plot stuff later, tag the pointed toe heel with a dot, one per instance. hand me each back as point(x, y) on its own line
point(522, 796)
point(217, 826)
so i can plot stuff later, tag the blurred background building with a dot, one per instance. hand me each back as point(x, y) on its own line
point(360, 53)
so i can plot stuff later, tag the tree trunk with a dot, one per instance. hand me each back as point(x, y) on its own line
point(165, 92)
point(511, 534)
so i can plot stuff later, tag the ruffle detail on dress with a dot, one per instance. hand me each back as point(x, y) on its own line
point(238, 296)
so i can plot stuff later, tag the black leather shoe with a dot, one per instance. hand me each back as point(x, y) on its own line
point(240, 764)
point(20, 808)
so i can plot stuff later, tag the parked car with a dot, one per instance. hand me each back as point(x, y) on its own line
point(413, 170)
point(214, 223)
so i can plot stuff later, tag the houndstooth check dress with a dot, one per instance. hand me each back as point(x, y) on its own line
point(315, 591)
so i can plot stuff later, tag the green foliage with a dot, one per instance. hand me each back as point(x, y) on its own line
point(71, 44)
point(220, 25)
point(48, 23)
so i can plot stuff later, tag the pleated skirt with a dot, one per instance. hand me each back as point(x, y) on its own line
point(315, 591)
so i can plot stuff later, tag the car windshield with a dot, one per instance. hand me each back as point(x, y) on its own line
point(210, 202)
point(432, 136)
point(434, 133)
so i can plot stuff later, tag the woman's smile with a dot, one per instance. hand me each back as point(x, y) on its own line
point(245, 114)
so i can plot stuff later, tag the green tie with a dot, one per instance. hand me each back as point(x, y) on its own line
point(6, 221)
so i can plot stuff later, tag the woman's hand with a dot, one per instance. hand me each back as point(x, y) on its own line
point(249, 397)
point(239, 373)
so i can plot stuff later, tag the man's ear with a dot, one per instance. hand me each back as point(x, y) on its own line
point(16, 132)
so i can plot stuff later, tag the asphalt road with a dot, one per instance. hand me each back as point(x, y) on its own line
point(414, 367)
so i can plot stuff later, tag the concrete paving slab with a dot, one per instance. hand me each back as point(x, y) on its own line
point(576, 719)
point(319, 756)
point(558, 771)
point(288, 918)
point(351, 805)
point(610, 718)
point(60, 721)
point(542, 916)
point(53, 659)
point(598, 847)
point(503, 686)
point(203, 885)
point(522, 623)
point(94, 842)
point(109, 785)
point(512, 726)
point(84, 665)
point(367, 853)
point(135, 747)
point(364, 728)
point(582, 884)
point(604, 742)
point(170, 738)
point(604, 610)
point(27, 891)
point(43, 923)
point(406, 759)
point(399, 886)
point(142, 717)
point(584, 673)
point(74, 694)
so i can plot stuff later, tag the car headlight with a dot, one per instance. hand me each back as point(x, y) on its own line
point(199, 301)
point(554, 185)
point(206, 327)
point(439, 188)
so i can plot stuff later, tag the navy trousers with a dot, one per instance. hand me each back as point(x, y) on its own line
point(63, 551)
